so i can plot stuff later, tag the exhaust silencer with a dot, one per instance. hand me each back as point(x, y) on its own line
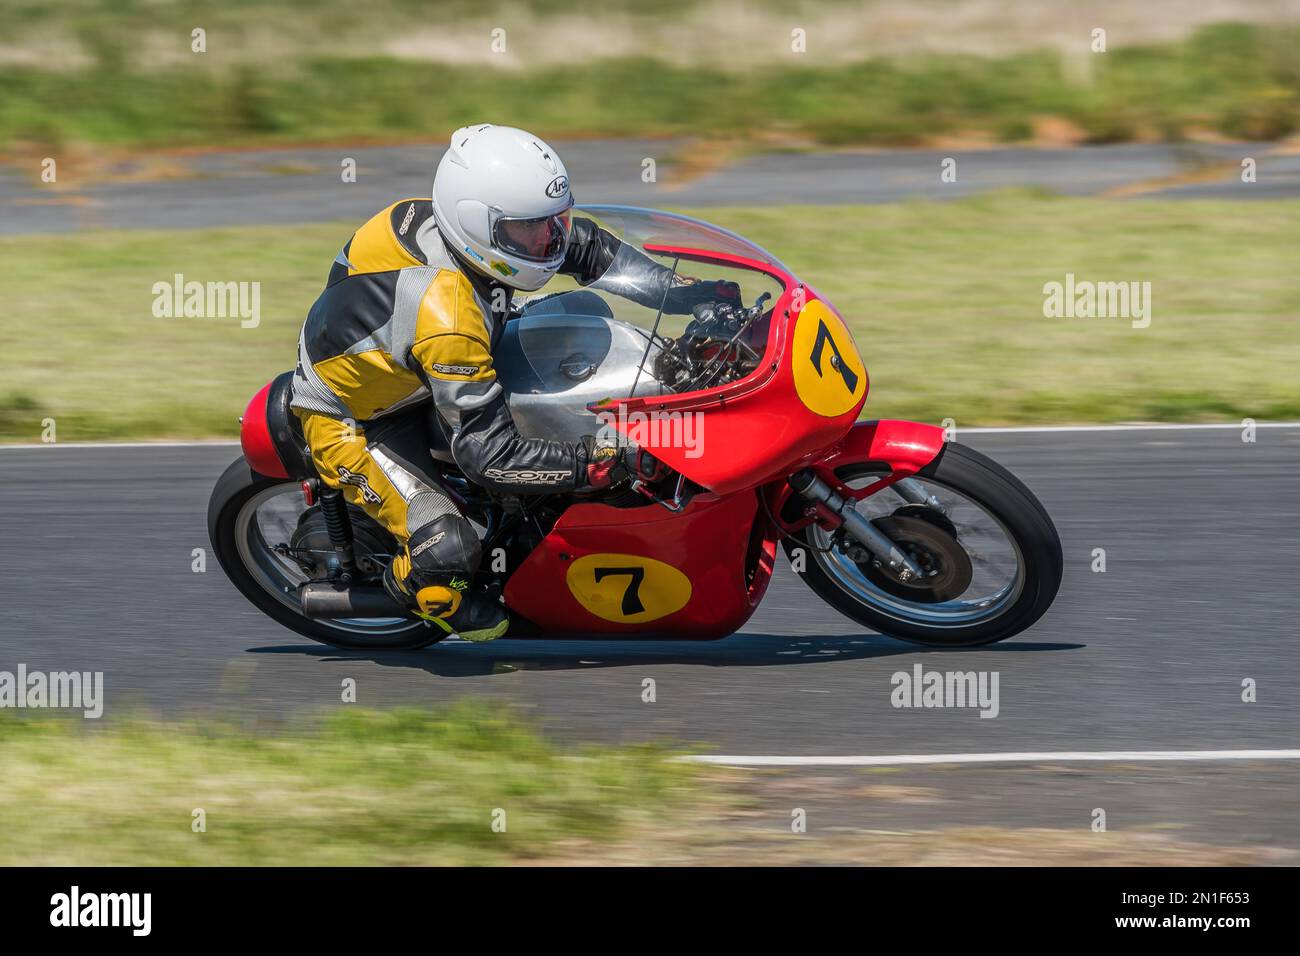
point(326, 601)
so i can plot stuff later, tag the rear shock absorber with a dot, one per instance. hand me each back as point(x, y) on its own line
point(338, 523)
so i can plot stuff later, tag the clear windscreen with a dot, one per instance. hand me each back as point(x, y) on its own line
point(704, 324)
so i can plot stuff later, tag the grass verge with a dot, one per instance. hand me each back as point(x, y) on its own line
point(946, 301)
point(420, 787)
point(362, 788)
point(1236, 80)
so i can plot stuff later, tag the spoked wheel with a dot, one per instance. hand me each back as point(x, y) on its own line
point(990, 558)
point(269, 545)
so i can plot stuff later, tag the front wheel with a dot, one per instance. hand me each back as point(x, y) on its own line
point(991, 553)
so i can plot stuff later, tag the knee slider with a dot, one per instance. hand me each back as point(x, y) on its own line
point(444, 549)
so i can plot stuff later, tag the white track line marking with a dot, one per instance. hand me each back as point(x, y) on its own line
point(1011, 430)
point(1065, 756)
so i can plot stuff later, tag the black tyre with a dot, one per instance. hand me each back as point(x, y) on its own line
point(994, 553)
point(239, 539)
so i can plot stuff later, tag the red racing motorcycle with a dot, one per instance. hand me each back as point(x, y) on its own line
point(753, 411)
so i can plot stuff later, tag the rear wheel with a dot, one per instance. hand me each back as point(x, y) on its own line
point(991, 557)
point(263, 535)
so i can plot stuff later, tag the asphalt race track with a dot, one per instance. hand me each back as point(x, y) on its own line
point(1202, 540)
point(303, 184)
point(1203, 556)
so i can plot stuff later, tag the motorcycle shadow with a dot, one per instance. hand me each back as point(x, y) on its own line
point(456, 658)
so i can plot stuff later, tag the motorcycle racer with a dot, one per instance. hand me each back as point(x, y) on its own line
point(411, 314)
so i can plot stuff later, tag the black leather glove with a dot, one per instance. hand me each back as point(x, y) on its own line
point(611, 465)
point(683, 298)
point(604, 459)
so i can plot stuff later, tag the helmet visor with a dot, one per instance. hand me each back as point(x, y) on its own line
point(538, 240)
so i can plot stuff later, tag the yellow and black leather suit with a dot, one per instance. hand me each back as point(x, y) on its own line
point(403, 324)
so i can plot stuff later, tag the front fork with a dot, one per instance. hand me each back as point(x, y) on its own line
point(913, 492)
point(838, 511)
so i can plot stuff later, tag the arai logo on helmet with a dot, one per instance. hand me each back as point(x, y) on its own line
point(475, 254)
point(558, 187)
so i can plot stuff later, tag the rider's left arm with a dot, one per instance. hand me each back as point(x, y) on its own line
point(592, 250)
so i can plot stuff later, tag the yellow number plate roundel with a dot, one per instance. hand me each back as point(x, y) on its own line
point(828, 372)
point(627, 588)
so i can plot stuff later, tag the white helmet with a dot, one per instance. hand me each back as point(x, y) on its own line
point(501, 201)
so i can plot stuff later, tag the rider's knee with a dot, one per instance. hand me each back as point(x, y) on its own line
point(443, 549)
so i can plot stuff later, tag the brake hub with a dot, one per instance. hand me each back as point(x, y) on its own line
point(310, 545)
point(945, 567)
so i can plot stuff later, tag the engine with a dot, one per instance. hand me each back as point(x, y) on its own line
point(720, 345)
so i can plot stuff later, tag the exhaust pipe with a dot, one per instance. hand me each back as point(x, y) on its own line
point(327, 601)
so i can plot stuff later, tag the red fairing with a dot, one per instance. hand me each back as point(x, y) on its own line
point(255, 437)
point(754, 429)
point(715, 543)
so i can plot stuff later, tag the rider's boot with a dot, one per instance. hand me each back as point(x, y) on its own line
point(469, 616)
